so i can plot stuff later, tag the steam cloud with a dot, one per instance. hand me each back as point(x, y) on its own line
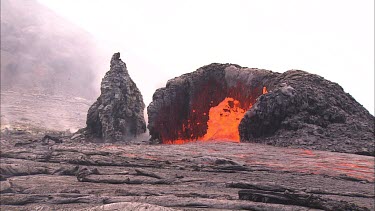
point(42, 52)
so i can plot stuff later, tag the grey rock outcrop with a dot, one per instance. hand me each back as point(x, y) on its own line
point(117, 115)
point(300, 109)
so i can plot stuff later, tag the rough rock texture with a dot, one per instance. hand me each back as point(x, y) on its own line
point(135, 206)
point(303, 109)
point(117, 114)
point(299, 110)
point(76, 175)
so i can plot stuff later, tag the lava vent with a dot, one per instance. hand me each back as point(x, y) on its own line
point(205, 105)
point(226, 102)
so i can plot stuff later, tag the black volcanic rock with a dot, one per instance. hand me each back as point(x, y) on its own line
point(299, 110)
point(306, 110)
point(117, 115)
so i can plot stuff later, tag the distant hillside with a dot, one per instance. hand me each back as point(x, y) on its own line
point(42, 52)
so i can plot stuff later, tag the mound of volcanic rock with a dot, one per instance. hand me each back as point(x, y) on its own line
point(117, 115)
point(226, 102)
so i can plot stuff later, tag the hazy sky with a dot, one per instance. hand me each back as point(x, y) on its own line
point(163, 39)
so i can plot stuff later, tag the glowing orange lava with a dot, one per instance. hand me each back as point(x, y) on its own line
point(224, 120)
point(264, 90)
point(222, 124)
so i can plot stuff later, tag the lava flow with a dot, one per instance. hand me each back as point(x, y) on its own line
point(224, 120)
point(222, 124)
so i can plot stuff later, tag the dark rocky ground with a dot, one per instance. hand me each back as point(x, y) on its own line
point(39, 174)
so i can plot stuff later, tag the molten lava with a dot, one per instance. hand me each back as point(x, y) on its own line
point(224, 120)
point(223, 123)
point(264, 91)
